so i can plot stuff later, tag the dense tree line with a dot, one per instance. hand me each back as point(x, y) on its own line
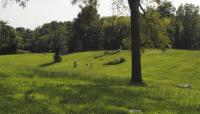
point(86, 31)
point(10, 41)
point(187, 27)
point(162, 27)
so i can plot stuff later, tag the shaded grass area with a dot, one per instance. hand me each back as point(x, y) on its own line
point(115, 62)
point(48, 64)
point(58, 88)
point(56, 92)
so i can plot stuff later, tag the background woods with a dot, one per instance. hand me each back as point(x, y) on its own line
point(162, 26)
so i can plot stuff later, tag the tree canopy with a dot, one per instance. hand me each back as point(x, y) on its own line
point(9, 41)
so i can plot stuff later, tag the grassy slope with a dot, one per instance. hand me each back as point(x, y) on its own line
point(29, 83)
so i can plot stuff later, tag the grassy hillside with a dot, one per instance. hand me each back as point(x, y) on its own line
point(32, 83)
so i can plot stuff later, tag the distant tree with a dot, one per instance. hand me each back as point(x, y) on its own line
point(27, 37)
point(196, 40)
point(66, 34)
point(166, 9)
point(9, 42)
point(115, 29)
point(60, 39)
point(47, 37)
point(41, 40)
point(55, 36)
point(153, 30)
point(86, 30)
point(187, 26)
point(58, 45)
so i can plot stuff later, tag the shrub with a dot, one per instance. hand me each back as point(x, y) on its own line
point(111, 52)
point(99, 56)
point(115, 62)
point(57, 58)
point(107, 53)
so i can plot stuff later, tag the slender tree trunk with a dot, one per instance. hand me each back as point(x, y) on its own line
point(135, 38)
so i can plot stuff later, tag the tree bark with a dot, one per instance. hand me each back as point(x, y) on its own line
point(135, 38)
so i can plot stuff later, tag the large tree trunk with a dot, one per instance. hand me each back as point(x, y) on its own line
point(135, 38)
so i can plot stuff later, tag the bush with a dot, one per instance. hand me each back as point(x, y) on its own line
point(111, 52)
point(115, 62)
point(57, 58)
point(107, 53)
point(99, 56)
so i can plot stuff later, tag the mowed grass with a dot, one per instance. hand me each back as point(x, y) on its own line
point(32, 84)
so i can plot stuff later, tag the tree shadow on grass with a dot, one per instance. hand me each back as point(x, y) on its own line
point(103, 80)
point(105, 96)
point(48, 64)
point(3, 75)
point(84, 99)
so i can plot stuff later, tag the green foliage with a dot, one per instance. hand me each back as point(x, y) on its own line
point(187, 26)
point(111, 52)
point(57, 58)
point(166, 9)
point(154, 31)
point(26, 36)
point(51, 37)
point(86, 31)
point(9, 42)
point(126, 43)
point(115, 29)
point(115, 61)
point(107, 53)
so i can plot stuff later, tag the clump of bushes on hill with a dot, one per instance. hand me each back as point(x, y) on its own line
point(111, 52)
point(57, 58)
point(99, 56)
point(107, 53)
point(116, 61)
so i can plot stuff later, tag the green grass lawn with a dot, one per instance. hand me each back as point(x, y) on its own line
point(32, 84)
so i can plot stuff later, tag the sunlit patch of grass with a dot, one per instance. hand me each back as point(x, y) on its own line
point(25, 87)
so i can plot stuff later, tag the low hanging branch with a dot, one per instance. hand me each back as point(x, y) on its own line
point(142, 9)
